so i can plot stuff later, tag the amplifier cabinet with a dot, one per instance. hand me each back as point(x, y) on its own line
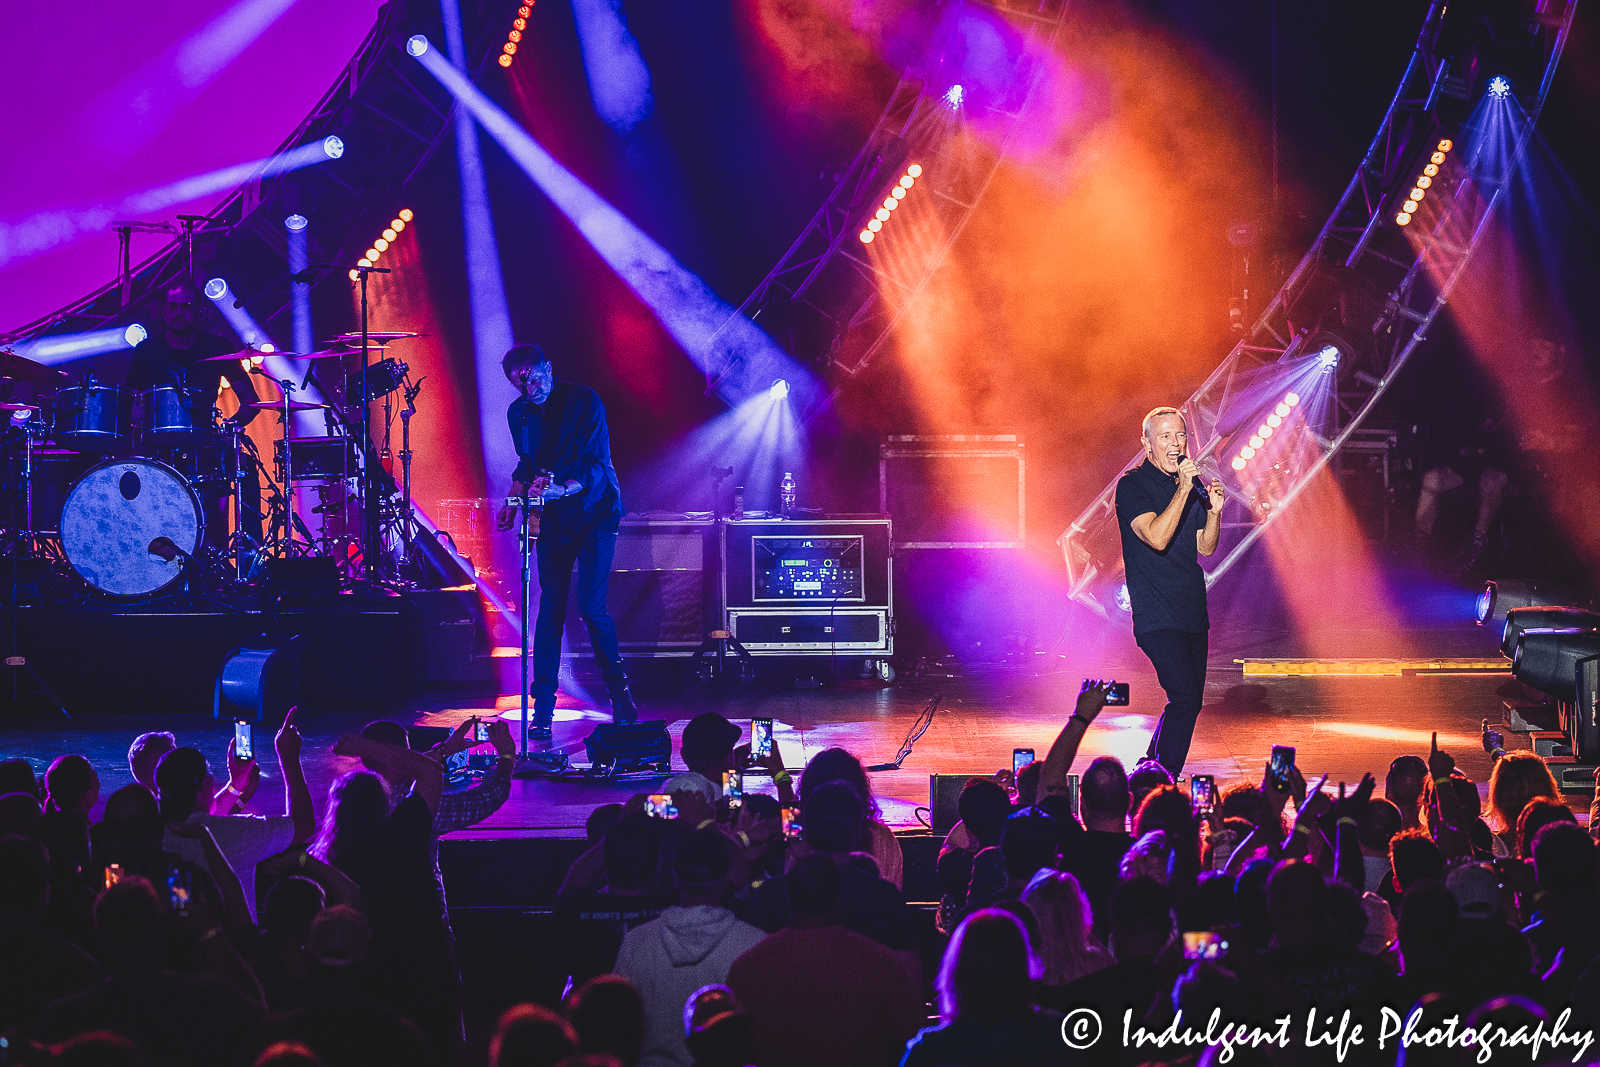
point(954, 490)
point(807, 564)
point(661, 589)
point(852, 630)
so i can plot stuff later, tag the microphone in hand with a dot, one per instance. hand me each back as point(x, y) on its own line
point(1186, 467)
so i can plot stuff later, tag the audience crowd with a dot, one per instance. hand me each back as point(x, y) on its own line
point(1098, 918)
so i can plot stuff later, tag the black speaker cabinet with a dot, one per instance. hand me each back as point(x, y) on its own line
point(660, 593)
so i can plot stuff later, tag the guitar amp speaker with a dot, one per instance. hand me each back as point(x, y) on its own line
point(660, 590)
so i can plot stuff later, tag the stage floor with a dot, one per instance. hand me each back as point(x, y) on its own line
point(1341, 726)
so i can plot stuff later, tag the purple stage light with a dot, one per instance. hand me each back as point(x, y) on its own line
point(619, 81)
point(65, 347)
point(702, 323)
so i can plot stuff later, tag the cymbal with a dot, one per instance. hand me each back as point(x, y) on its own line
point(352, 350)
point(21, 369)
point(277, 405)
point(5, 406)
point(244, 353)
point(375, 335)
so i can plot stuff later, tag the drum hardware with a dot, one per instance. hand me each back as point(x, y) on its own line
point(383, 378)
point(406, 517)
point(115, 511)
point(94, 417)
point(354, 336)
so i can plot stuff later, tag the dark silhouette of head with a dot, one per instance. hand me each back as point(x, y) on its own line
point(984, 807)
point(609, 1017)
point(632, 853)
point(24, 877)
point(352, 825)
point(1297, 903)
point(1141, 918)
point(1429, 927)
point(181, 776)
point(145, 752)
point(1536, 815)
point(72, 784)
point(837, 765)
point(531, 1035)
point(1029, 841)
point(1377, 824)
point(1103, 791)
point(707, 746)
point(835, 818)
point(1145, 776)
point(1564, 863)
point(988, 968)
point(127, 921)
point(1414, 856)
point(813, 886)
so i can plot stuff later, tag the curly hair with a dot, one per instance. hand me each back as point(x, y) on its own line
point(1517, 778)
point(837, 765)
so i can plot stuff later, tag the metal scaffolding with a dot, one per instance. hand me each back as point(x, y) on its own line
point(1364, 296)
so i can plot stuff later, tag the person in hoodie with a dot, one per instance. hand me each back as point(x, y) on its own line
point(690, 946)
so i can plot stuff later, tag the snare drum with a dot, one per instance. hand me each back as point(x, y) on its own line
point(174, 416)
point(94, 418)
point(115, 511)
point(320, 459)
point(383, 378)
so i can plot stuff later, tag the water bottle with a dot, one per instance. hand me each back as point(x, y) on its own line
point(786, 495)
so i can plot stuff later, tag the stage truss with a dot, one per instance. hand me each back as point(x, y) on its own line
point(833, 301)
point(1368, 289)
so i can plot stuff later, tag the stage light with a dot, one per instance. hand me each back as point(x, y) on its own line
point(1547, 659)
point(1124, 601)
point(1264, 431)
point(867, 237)
point(1403, 218)
point(1409, 207)
point(510, 48)
point(907, 181)
point(1435, 159)
point(505, 60)
point(1257, 441)
point(64, 347)
point(874, 225)
point(333, 146)
point(416, 45)
point(1502, 595)
point(216, 289)
point(1239, 462)
point(1446, 144)
point(1521, 620)
point(883, 214)
point(1247, 452)
point(380, 245)
point(890, 203)
point(514, 35)
point(519, 23)
point(953, 97)
point(779, 390)
point(1282, 411)
point(915, 170)
point(1431, 169)
point(397, 225)
point(1499, 87)
point(295, 223)
point(1291, 399)
point(1274, 420)
point(390, 234)
point(898, 193)
point(1424, 181)
point(1329, 357)
point(405, 215)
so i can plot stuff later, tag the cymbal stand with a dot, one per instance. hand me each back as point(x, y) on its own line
point(15, 661)
point(371, 530)
point(406, 516)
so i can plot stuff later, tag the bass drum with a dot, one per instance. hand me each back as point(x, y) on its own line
point(115, 511)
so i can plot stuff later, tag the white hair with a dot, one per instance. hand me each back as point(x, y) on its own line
point(1157, 413)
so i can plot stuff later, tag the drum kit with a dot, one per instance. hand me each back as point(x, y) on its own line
point(117, 488)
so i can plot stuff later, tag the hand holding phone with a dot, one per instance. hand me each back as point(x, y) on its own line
point(480, 731)
point(1203, 793)
point(761, 738)
point(791, 822)
point(660, 806)
point(1281, 767)
point(1203, 945)
point(243, 744)
point(733, 789)
point(1020, 758)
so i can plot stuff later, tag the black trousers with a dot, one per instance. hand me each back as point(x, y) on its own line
point(1180, 662)
point(592, 551)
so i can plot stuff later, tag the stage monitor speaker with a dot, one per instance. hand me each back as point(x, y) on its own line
point(618, 748)
point(449, 641)
point(944, 798)
point(259, 680)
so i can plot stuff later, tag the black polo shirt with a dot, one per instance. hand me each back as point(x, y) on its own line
point(1167, 589)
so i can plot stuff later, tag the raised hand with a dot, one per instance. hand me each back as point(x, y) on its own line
point(1091, 698)
point(288, 742)
point(1440, 764)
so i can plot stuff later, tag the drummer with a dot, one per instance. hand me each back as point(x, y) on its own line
point(177, 357)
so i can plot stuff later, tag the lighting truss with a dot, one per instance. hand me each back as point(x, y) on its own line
point(1408, 260)
point(834, 301)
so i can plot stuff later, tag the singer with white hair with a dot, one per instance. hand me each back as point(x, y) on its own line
point(1169, 518)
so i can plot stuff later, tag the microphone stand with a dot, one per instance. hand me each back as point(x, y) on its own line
point(370, 526)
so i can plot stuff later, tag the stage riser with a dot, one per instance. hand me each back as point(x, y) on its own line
point(125, 663)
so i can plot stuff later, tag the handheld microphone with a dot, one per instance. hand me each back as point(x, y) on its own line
point(1200, 487)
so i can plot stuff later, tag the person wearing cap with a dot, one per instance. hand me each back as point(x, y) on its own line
point(691, 945)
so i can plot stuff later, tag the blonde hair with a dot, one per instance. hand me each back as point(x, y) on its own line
point(1067, 946)
point(1517, 778)
point(1157, 413)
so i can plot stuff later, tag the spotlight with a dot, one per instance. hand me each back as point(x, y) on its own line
point(1329, 357)
point(381, 244)
point(915, 170)
point(405, 215)
point(1274, 420)
point(295, 223)
point(1547, 659)
point(1520, 620)
point(779, 390)
point(1291, 399)
point(333, 146)
point(1238, 462)
point(416, 45)
point(953, 97)
point(1504, 595)
point(216, 288)
point(867, 237)
point(1424, 182)
point(1499, 87)
point(135, 334)
point(1257, 442)
point(897, 193)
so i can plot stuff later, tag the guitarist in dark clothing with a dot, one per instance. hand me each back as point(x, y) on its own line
point(559, 429)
